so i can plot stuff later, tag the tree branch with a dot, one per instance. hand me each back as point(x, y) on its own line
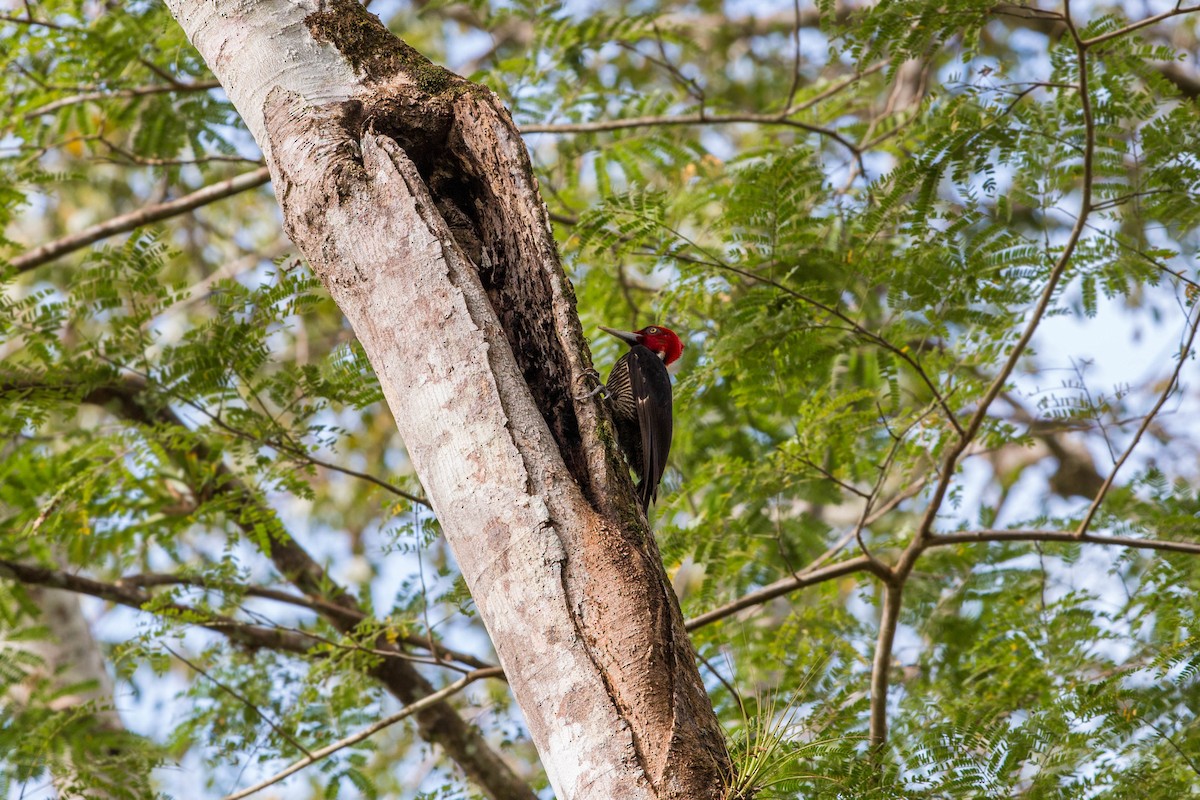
point(881, 663)
point(1019, 535)
point(1035, 318)
point(255, 636)
point(439, 722)
point(280, 638)
point(413, 708)
point(320, 605)
point(810, 576)
point(780, 588)
point(242, 699)
point(143, 216)
point(972, 428)
point(1133, 26)
point(139, 91)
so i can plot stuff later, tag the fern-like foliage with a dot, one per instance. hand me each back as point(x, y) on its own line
point(857, 213)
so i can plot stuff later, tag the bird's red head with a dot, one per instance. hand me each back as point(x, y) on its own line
point(656, 338)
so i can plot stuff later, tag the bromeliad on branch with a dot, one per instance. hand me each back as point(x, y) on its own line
point(639, 393)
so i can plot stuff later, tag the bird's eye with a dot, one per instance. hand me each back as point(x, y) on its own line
point(652, 330)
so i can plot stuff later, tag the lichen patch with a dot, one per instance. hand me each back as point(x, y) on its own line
point(374, 52)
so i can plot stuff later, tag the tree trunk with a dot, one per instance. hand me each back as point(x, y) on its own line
point(71, 661)
point(411, 193)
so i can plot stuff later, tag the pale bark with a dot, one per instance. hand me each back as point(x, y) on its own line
point(70, 656)
point(411, 194)
point(71, 660)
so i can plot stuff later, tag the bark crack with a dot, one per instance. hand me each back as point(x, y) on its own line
point(549, 524)
point(583, 581)
point(609, 687)
point(476, 167)
point(537, 483)
point(501, 287)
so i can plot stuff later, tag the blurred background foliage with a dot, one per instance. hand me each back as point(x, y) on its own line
point(849, 211)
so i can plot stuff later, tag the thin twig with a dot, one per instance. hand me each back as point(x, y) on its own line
point(834, 88)
point(407, 711)
point(1113, 202)
point(1163, 268)
point(884, 470)
point(1019, 535)
point(690, 86)
point(38, 22)
point(145, 161)
point(283, 447)
point(390, 652)
point(1133, 26)
point(1021, 11)
point(729, 687)
point(231, 269)
point(848, 487)
point(365, 476)
point(242, 699)
point(907, 493)
point(854, 326)
point(1194, 765)
point(1093, 407)
point(700, 118)
point(1137, 437)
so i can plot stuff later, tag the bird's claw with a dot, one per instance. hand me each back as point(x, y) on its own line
point(601, 390)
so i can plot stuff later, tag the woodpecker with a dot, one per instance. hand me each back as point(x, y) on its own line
point(639, 394)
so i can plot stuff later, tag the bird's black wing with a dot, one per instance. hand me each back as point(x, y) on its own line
point(652, 393)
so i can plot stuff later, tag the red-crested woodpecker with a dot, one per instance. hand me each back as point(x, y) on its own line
point(639, 394)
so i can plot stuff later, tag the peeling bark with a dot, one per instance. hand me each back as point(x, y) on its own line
point(411, 193)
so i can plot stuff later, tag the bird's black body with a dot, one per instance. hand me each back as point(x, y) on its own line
point(639, 394)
